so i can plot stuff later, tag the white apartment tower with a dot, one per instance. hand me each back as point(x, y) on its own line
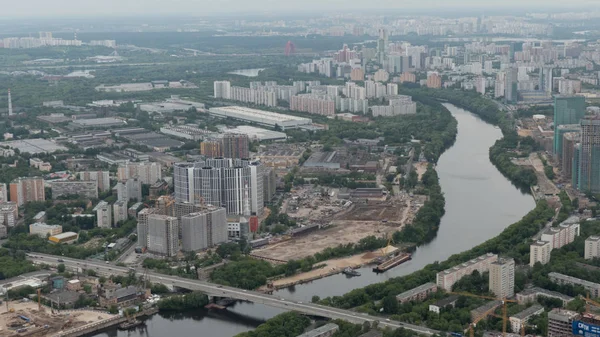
point(592, 247)
point(502, 278)
point(104, 214)
point(222, 89)
point(163, 235)
point(539, 251)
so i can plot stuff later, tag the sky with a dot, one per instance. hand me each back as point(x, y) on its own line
point(66, 8)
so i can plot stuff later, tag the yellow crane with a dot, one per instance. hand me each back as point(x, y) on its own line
point(589, 302)
point(504, 315)
point(390, 240)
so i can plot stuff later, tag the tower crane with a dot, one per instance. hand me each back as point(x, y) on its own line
point(504, 315)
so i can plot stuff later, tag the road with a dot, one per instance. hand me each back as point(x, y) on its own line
point(212, 289)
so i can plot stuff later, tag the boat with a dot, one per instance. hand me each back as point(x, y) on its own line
point(350, 272)
point(391, 263)
point(129, 324)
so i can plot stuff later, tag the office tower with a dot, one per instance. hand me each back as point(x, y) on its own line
point(560, 322)
point(592, 247)
point(510, 85)
point(539, 251)
point(103, 214)
point(130, 189)
point(589, 157)
point(23, 190)
point(382, 43)
point(236, 146)
point(119, 211)
point(163, 235)
point(502, 278)
point(211, 149)
point(10, 107)
point(546, 80)
point(147, 173)
point(102, 177)
point(204, 229)
point(220, 182)
point(222, 89)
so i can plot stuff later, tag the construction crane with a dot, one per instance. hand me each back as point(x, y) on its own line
point(504, 301)
point(39, 293)
point(476, 320)
point(589, 302)
point(390, 240)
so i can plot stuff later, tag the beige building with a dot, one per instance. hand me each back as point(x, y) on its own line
point(23, 190)
point(592, 247)
point(146, 172)
point(539, 251)
point(43, 230)
point(446, 279)
point(502, 278)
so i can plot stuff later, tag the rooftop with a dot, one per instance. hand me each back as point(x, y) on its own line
point(574, 280)
point(320, 330)
point(64, 235)
point(258, 113)
point(548, 293)
point(593, 238)
point(416, 290)
point(532, 310)
point(444, 302)
point(34, 146)
point(540, 243)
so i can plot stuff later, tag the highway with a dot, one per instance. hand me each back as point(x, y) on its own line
point(212, 289)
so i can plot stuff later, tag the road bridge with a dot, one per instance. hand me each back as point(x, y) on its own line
point(211, 289)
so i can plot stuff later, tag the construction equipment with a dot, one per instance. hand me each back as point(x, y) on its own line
point(589, 302)
point(504, 315)
point(39, 295)
point(390, 240)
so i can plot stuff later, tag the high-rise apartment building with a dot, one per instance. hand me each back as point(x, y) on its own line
point(562, 235)
point(511, 84)
point(382, 44)
point(434, 80)
point(222, 182)
point(502, 278)
point(9, 213)
point(592, 247)
point(119, 209)
point(546, 80)
point(163, 235)
point(147, 173)
point(269, 184)
point(314, 104)
point(102, 177)
point(236, 146)
point(85, 189)
point(211, 149)
point(204, 229)
point(357, 74)
point(3, 193)
point(539, 251)
point(103, 214)
point(130, 189)
point(568, 110)
point(222, 89)
point(23, 190)
point(570, 140)
point(447, 278)
point(589, 158)
point(142, 226)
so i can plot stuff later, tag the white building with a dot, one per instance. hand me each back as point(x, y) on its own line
point(520, 319)
point(130, 189)
point(447, 278)
point(103, 214)
point(267, 118)
point(592, 247)
point(43, 230)
point(539, 251)
point(222, 89)
point(562, 235)
point(120, 211)
point(147, 173)
point(502, 278)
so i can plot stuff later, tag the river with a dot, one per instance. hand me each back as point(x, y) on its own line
point(480, 203)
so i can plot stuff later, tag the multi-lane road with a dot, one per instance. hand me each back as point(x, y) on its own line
point(212, 289)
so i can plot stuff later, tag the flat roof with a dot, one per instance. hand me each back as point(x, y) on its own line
point(239, 110)
point(65, 235)
point(320, 330)
point(417, 290)
point(34, 146)
point(532, 310)
point(573, 280)
point(98, 121)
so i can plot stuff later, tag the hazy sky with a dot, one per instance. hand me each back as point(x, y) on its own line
point(49, 8)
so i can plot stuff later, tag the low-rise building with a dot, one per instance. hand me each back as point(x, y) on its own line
point(40, 164)
point(74, 285)
point(530, 295)
point(40, 217)
point(482, 310)
point(593, 288)
point(326, 330)
point(43, 230)
point(443, 303)
point(417, 294)
point(519, 320)
point(66, 237)
point(109, 295)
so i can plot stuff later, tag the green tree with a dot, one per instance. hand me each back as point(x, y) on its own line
point(61, 268)
point(390, 304)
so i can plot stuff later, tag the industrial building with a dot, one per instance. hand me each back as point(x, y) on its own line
point(231, 183)
point(447, 278)
point(170, 105)
point(154, 141)
point(419, 293)
point(190, 132)
point(105, 122)
point(85, 189)
point(326, 160)
point(204, 229)
point(261, 117)
point(34, 146)
point(163, 235)
point(43, 230)
point(592, 247)
point(66, 237)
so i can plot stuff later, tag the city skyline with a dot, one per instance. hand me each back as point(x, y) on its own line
point(68, 8)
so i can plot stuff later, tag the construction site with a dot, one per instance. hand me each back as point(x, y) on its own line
point(28, 318)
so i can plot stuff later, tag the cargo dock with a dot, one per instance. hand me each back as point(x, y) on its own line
point(392, 262)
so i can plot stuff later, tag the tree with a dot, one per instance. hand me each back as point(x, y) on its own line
point(390, 304)
point(315, 299)
point(61, 268)
point(113, 309)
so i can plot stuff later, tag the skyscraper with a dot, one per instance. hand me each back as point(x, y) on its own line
point(163, 235)
point(568, 110)
point(10, 107)
point(502, 278)
point(589, 157)
point(236, 146)
point(220, 182)
point(382, 43)
point(23, 190)
point(204, 229)
point(545, 80)
point(510, 85)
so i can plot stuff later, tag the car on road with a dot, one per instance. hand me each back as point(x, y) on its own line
point(61, 260)
point(219, 286)
point(387, 319)
point(244, 290)
point(283, 299)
